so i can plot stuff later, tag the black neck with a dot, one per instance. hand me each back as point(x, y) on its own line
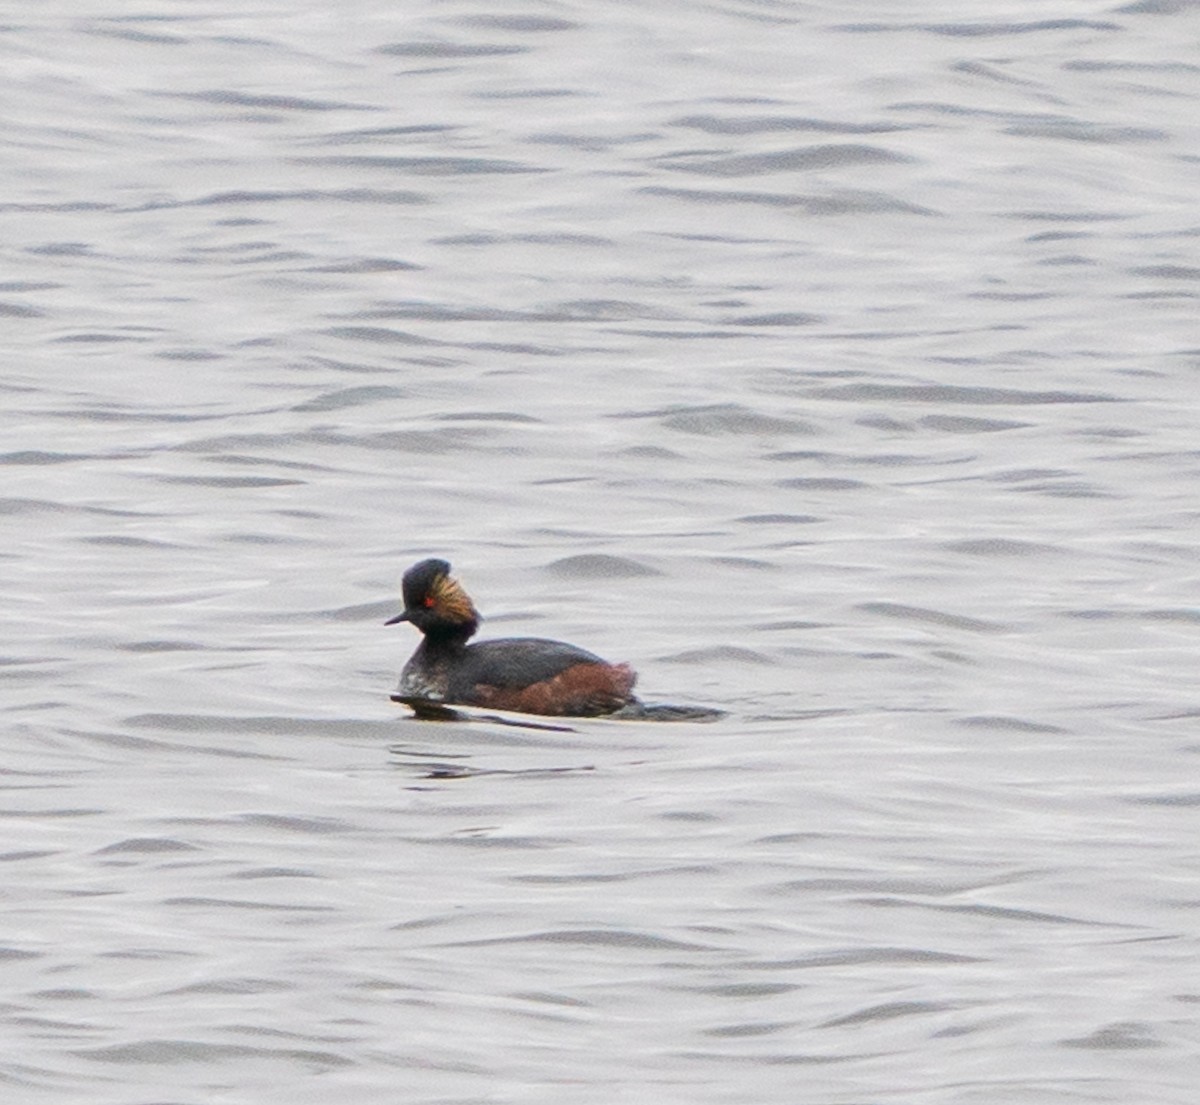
point(449, 638)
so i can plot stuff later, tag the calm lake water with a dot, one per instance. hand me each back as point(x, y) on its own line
point(836, 365)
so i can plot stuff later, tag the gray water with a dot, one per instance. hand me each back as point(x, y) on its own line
point(833, 364)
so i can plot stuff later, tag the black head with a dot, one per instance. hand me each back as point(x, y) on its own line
point(436, 603)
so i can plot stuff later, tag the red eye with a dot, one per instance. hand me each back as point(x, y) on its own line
point(429, 602)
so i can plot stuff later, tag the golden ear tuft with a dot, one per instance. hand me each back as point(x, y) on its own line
point(452, 601)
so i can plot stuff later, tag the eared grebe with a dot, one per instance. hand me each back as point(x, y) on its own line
point(529, 674)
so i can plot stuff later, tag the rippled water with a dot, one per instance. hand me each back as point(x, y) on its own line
point(834, 365)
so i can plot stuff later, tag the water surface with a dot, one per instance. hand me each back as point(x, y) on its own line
point(836, 367)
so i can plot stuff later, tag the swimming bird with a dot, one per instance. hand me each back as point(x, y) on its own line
point(532, 675)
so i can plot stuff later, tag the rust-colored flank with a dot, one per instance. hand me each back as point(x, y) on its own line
point(583, 690)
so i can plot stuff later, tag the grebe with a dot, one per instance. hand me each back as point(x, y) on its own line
point(531, 675)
